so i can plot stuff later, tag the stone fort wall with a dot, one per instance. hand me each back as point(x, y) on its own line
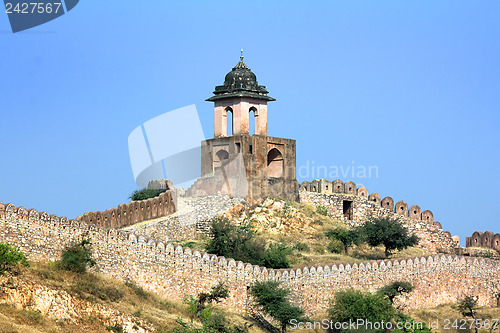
point(486, 240)
point(132, 212)
point(354, 206)
point(173, 271)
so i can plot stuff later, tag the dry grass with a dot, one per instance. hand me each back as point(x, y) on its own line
point(126, 297)
point(316, 243)
point(17, 320)
point(448, 311)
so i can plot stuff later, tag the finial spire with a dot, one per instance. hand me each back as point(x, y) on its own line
point(241, 55)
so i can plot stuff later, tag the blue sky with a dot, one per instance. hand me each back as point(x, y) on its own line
point(409, 87)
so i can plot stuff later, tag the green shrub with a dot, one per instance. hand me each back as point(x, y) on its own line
point(346, 237)
point(287, 208)
point(322, 210)
point(144, 194)
point(77, 256)
point(274, 302)
point(388, 232)
point(320, 249)
point(213, 319)
point(276, 256)
point(335, 246)
point(351, 305)
point(302, 247)
point(468, 306)
point(35, 316)
point(414, 327)
point(395, 289)
point(235, 241)
point(189, 244)
point(10, 256)
point(240, 242)
point(217, 294)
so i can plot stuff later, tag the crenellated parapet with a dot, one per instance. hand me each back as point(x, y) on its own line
point(132, 212)
point(354, 205)
point(174, 271)
point(485, 239)
point(337, 186)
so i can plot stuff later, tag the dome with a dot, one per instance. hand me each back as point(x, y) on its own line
point(240, 82)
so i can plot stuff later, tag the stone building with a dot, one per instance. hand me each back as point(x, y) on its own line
point(236, 161)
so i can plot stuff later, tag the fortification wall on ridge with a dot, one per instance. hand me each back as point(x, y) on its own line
point(175, 271)
point(485, 239)
point(354, 206)
point(132, 212)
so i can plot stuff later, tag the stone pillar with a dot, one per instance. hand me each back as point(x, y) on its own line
point(237, 114)
point(261, 119)
point(220, 121)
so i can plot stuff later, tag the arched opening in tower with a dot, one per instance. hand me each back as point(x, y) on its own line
point(252, 119)
point(274, 163)
point(229, 116)
point(221, 158)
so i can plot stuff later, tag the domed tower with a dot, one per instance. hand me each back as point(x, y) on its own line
point(267, 163)
point(240, 95)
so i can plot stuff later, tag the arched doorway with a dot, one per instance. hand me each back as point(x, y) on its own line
point(221, 158)
point(274, 163)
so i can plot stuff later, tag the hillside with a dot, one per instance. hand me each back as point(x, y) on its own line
point(302, 227)
point(43, 298)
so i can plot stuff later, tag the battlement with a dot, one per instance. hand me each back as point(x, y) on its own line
point(174, 271)
point(401, 208)
point(487, 240)
point(352, 205)
point(132, 212)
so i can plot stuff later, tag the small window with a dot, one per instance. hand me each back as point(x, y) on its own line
point(250, 149)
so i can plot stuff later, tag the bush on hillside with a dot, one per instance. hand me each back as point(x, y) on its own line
point(276, 256)
point(335, 246)
point(10, 256)
point(77, 256)
point(322, 210)
point(144, 194)
point(351, 305)
point(347, 237)
point(240, 242)
point(396, 288)
point(274, 302)
point(212, 318)
point(467, 306)
point(235, 241)
point(388, 232)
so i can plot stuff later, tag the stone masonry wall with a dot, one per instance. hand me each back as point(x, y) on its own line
point(362, 206)
point(486, 240)
point(175, 271)
point(132, 212)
